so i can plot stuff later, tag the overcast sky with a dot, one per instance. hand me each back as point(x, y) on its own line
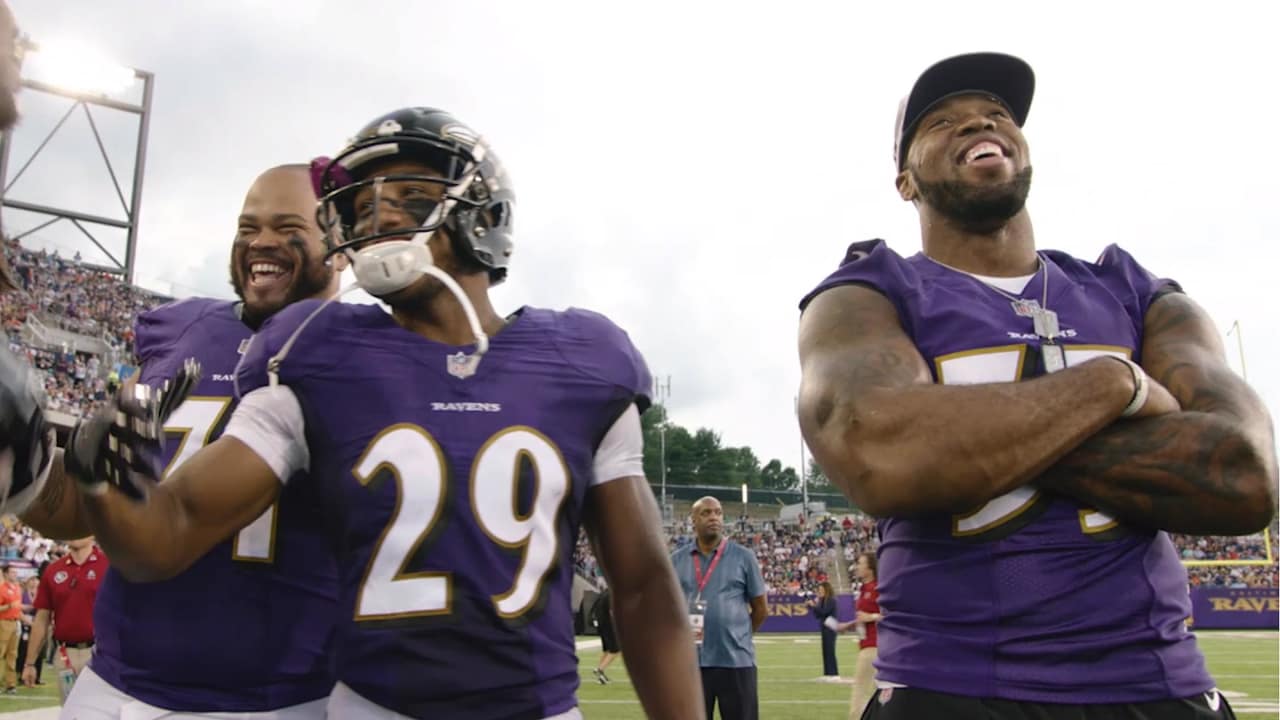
point(691, 169)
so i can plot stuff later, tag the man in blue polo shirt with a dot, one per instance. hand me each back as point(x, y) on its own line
point(725, 594)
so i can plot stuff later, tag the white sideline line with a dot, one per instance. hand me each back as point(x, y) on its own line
point(49, 713)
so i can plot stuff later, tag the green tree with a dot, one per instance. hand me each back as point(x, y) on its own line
point(818, 481)
point(699, 458)
point(773, 476)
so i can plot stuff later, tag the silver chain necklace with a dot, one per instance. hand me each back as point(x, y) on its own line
point(1044, 320)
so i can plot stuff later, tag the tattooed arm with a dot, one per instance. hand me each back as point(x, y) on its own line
point(888, 437)
point(1208, 470)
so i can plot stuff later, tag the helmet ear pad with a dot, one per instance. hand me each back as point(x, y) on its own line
point(480, 237)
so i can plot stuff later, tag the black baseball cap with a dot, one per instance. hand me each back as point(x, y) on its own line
point(1005, 77)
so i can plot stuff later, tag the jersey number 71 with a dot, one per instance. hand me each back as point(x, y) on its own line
point(196, 421)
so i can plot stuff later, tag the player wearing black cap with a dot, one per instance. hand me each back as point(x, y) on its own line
point(1026, 425)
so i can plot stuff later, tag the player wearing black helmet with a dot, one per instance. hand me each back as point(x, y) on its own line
point(454, 488)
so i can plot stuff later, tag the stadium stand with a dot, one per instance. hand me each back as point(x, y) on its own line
point(75, 323)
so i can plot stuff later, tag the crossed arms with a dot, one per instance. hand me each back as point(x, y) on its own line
point(899, 445)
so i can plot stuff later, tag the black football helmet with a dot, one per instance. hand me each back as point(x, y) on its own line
point(477, 203)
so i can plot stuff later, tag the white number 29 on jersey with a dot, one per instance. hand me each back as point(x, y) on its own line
point(195, 420)
point(1004, 364)
point(417, 465)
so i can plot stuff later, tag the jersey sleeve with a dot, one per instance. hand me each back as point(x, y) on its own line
point(600, 349)
point(155, 331)
point(621, 453)
point(269, 421)
point(1124, 273)
point(873, 264)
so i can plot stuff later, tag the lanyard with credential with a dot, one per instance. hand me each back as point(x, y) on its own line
point(698, 577)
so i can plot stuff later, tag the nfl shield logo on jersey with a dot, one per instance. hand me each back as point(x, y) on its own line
point(461, 365)
point(1025, 308)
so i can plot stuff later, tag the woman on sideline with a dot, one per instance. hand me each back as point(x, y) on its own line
point(864, 624)
point(824, 608)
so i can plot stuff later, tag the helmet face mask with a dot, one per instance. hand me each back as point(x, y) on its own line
point(474, 202)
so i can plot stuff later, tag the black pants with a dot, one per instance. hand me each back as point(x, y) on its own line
point(735, 688)
point(916, 704)
point(22, 656)
point(829, 666)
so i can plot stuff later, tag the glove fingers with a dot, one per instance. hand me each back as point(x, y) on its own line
point(179, 388)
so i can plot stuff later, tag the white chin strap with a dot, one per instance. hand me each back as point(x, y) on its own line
point(393, 265)
point(385, 268)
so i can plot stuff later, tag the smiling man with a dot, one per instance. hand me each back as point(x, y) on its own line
point(278, 255)
point(454, 476)
point(991, 403)
point(261, 604)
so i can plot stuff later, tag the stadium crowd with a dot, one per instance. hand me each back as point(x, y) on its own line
point(795, 559)
point(19, 542)
point(66, 294)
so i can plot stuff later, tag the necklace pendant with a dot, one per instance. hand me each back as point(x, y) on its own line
point(1045, 322)
point(1053, 356)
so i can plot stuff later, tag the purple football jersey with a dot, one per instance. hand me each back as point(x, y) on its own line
point(1033, 596)
point(456, 500)
point(249, 626)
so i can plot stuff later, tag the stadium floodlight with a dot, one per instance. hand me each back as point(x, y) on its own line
point(744, 493)
point(75, 67)
point(67, 68)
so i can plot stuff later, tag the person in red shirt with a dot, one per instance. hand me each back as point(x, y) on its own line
point(10, 613)
point(864, 623)
point(68, 589)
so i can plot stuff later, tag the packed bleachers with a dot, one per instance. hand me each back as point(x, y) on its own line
point(19, 542)
point(794, 559)
point(73, 322)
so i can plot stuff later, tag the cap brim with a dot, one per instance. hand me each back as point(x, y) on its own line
point(1007, 78)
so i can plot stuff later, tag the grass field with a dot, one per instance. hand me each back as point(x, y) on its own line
point(1245, 664)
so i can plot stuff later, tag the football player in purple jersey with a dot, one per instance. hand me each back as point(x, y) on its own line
point(247, 627)
point(1026, 425)
point(455, 452)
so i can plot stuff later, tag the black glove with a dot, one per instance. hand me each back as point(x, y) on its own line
point(24, 436)
point(120, 444)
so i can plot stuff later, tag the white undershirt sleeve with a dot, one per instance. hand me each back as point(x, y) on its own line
point(621, 453)
point(269, 420)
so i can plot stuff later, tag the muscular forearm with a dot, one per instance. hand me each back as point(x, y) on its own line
point(653, 629)
point(143, 539)
point(949, 448)
point(1189, 472)
point(58, 513)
